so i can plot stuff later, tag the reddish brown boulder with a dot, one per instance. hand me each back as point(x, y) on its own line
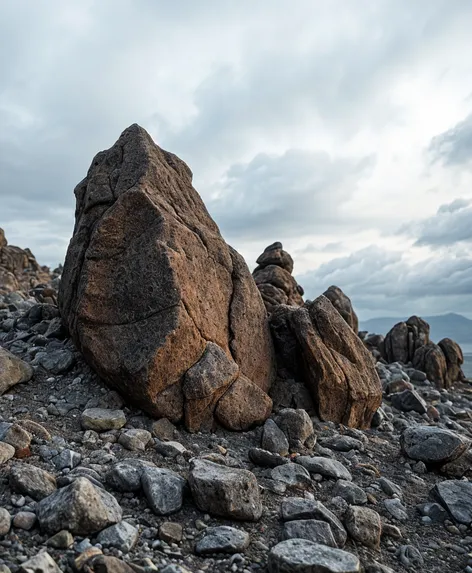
point(148, 281)
point(317, 346)
point(454, 360)
point(274, 279)
point(343, 305)
point(243, 406)
point(404, 339)
point(430, 359)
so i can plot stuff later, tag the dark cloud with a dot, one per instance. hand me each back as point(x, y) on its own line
point(377, 279)
point(296, 193)
point(454, 146)
point(451, 224)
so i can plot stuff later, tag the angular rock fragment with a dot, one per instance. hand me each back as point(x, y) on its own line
point(13, 370)
point(343, 305)
point(311, 529)
point(364, 525)
point(224, 491)
point(456, 497)
point(222, 539)
point(33, 481)
point(324, 466)
point(164, 490)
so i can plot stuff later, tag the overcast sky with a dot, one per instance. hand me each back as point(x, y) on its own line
point(342, 129)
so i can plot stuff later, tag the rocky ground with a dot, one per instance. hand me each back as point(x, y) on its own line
point(83, 475)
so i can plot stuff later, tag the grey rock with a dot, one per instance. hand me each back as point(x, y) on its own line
point(80, 507)
point(24, 520)
point(298, 427)
point(101, 419)
point(5, 521)
point(434, 511)
point(122, 535)
point(67, 459)
point(376, 567)
point(273, 439)
point(169, 449)
point(364, 525)
point(61, 540)
point(293, 475)
point(222, 539)
point(325, 467)
point(13, 370)
point(410, 557)
point(163, 429)
point(390, 488)
point(296, 508)
point(135, 439)
point(41, 563)
point(173, 568)
point(396, 509)
point(352, 493)
point(341, 443)
point(164, 490)
point(312, 529)
point(228, 492)
point(266, 459)
point(31, 480)
point(125, 476)
point(303, 556)
point(456, 497)
point(432, 445)
point(56, 362)
point(407, 401)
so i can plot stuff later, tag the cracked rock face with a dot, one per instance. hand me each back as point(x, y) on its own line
point(148, 282)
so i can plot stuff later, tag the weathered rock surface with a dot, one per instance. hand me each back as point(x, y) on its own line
point(138, 216)
point(433, 445)
point(430, 359)
point(343, 305)
point(404, 339)
point(222, 539)
point(303, 556)
point(164, 490)
point(456, 497)
point(224, 491)
point(13, 370)
point(273, 277)
point(320, 348)
point(40, 563)
point(454, 360)
point(80, 508)
point(363, 524)
point(30, 480)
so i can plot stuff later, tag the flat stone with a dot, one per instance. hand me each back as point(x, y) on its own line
point(222, 539)
point(224, 491)
point(364, 525)
point(7, 452)
point(31, 480)
point(171, 532)
point(294, 475)
point(135, 439)
point(273, 439)
point(432, 445)
point(266, 459)
point(125, 476)
point(101, 419)
point(325, 467)
point(164, 490)
point(24, 520)
point(350, 492)
point(296, 508)
point(41, 563)
point(169, 449)
point(312, 529)
point(80, 507)
point(303, 556)
point(122, 535)
point(5, 521)
point(163, 429)
point(341, 443)
point(408, 401)
point(456, 497)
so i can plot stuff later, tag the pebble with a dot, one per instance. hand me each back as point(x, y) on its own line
point(122, 535)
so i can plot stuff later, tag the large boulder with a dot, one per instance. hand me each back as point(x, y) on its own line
point(454, 360)
point(404, 339)
point(273, 277)
point(430, 359)
point(343, 305)
point(318, 347)
point(148, 283)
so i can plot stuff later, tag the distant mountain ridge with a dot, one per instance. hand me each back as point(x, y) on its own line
point(450, 325)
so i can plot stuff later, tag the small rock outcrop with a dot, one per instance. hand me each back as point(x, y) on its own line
point(405, 338)
point(454, 361)
point(273, 277)
point(19, 269)
point(318, 346)
point(343, 305)
point(150, 286)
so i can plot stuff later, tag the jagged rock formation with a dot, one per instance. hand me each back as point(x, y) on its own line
point(343, 305)
point(273, 277)
point(409, 342)
point(317, 346)
point(150, 287)
point(19, 270)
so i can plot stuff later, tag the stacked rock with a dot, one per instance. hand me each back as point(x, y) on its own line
point(273, 277)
